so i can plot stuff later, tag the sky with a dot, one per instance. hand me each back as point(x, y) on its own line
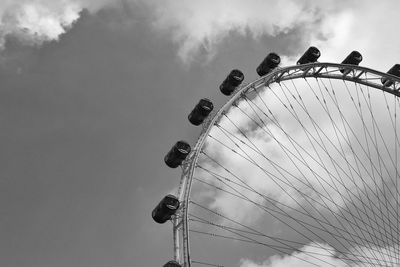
point(94, 93)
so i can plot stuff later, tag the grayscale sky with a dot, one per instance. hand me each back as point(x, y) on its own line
point(94, 93)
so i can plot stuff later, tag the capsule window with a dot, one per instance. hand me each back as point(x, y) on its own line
point(171, 202)
point(206, 104)
point(237, 75)
point(183, 147)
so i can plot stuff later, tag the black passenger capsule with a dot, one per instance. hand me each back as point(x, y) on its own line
point(354, 58)
point(395, 70)
point(172, 264)
point(310, 56)
point(269, 63)
point(165, 209)
point(231, 82)
point(177, 154)
point(200, 111)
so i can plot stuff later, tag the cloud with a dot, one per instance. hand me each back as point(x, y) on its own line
point(336, 27)
point(317, 254)
point(198, 27)
point(314, 254)
point(359, 27)
point(34, 22)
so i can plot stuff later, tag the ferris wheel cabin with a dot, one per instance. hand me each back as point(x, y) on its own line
point(354, 58)
point(310, 56)
point(165, 209)
point(177, 154)
point(200, 111)
point(395, 70)
point(269, 63)
point(231, 82)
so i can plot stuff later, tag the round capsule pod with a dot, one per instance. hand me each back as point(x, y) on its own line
point(165, 209)
point(269, 63)
point(395, 70)
point(235, 77)
point(172, 264)
point(354, 58)
point(231, 82)
point(311, 55)
point(200, 111)
point(177, 154)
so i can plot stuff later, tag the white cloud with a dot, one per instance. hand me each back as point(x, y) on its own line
point(36, 21)
point(336, 27)
point(201, 26)
point(311, 255)
point(317, 254)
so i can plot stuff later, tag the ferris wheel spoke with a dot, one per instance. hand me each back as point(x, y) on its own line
point(375, 259)
point(334, 235)
point(366, 132)
point(396, 138)
point(255, 233)
point(357, 161)
point(206, 263)
point(326, 108)
point(279, 241)
point(339, 179)
point(374, 142)
point(334, 127)
point(396, 145)
point(322, 102)
point(347, 139)
point(386, 204)
point(376, 128)
point(293, 97)
point(272, 202)
point(369, 200)
point(283, 249)
point(317, 142)
point(313, 188)
point(322, 205)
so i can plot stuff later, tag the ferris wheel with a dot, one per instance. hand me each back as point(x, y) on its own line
point(297, 168)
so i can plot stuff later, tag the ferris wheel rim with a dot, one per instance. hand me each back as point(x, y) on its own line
point(352, 73)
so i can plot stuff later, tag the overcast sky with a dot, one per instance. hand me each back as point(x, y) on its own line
point(94, 93)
